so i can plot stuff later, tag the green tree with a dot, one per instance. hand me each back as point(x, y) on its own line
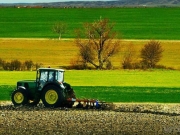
point(59, 28)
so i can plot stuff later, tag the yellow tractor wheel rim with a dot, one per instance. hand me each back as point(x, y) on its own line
point(18, 97)
point(51, 97)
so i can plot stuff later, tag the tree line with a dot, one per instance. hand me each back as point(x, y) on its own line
point(18, 65)
point(98, 42)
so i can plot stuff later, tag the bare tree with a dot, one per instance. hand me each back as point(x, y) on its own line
point(151, 53)
point(128, 59)
point(100, 43)
point(59, 28)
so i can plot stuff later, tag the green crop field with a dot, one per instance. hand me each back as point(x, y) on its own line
point(131, 23)
point(111, 86)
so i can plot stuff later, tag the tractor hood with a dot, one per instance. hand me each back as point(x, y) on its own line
point(27, 83)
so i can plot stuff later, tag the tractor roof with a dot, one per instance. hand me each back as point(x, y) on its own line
point(51, 69)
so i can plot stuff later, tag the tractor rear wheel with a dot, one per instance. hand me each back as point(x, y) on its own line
point(52, 96)
point(19, 97)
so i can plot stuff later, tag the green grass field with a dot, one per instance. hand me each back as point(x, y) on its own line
point(131, 23)
point(133, 78)
point(111, 86)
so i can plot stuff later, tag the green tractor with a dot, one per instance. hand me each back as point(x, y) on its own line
point(49, 87)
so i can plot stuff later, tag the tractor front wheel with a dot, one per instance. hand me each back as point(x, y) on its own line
point(19, 97)
point(52, 96)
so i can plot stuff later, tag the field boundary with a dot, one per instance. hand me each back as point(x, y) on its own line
point(71, 39)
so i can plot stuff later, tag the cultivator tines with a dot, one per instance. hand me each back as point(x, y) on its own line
point(89, 103)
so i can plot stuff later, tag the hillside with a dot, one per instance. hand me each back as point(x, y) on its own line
point(115, 3)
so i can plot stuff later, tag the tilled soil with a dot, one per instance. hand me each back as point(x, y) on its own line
point(124, 119)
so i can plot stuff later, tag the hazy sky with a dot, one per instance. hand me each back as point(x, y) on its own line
point(42, 1)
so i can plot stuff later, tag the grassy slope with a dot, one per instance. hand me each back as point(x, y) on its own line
point(132, 23)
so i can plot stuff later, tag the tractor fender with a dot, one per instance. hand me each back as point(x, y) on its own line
point(51, 83)
point(22, 87)
point(35, 98)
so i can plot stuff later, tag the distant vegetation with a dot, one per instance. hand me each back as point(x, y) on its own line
point(17, 65)
point(104, 4)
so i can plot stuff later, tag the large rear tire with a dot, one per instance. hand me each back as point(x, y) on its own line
point(52, 96)
point(19, 97)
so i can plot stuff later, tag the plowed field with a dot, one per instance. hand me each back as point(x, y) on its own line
point(126, 119)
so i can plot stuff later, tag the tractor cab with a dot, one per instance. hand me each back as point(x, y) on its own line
point(47, 76)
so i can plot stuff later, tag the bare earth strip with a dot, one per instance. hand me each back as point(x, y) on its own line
point(126, 119)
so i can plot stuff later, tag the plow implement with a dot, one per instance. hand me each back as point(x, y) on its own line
point(91, 104)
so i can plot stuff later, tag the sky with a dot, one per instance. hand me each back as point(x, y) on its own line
point(42, 1)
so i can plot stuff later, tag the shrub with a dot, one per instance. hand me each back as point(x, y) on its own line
point(129, 57)
point(15, 65)
point(6, 65)
point(151, 54)
point(127, 64)
point(18, 65)
point(109, 65)
point(38, 65)
point(78, 64)
point(28, 64)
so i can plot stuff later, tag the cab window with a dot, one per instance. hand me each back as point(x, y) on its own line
point(59, 76)
point(43, 76)
point(51, 76)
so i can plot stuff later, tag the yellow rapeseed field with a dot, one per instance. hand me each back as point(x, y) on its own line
point(60, 53)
